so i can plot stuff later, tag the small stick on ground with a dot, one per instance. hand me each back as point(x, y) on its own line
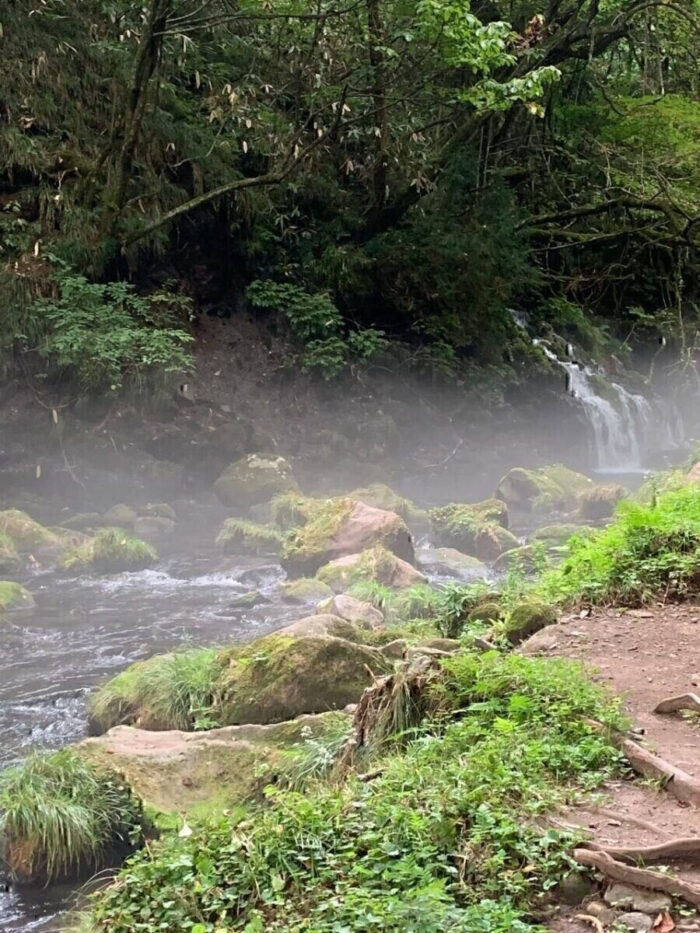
point(594, 921)
point(689, 701)
point(640, 877)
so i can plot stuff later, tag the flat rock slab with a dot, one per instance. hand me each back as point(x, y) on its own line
point(638, 899)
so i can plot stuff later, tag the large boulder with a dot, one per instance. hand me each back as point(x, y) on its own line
point(376, 565)
point(600, 500)
point(552, 488)
point(26, 533)
point(279, 677)
point(254, 479)
point(477, 529)
point(449, 562)
point(112, 550)
point(526, 619)
point(341, 527)
point(381, 496)
point(199, 772)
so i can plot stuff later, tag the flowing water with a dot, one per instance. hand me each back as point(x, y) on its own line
point(85, 629)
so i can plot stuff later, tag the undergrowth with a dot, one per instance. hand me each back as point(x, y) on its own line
point(648, 551)
point(60, 815)
point(446, 836)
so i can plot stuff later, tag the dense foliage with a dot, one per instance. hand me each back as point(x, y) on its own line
point(373, 171)
point(446, 837)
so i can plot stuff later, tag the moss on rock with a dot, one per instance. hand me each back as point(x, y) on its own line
point(292, 509)
point(14, 596)
point(377, 565)
point(324, 625)
point(306, 590)
point(9, 555)
point(278, 677)
point(381, 496)
point(26, 533)
point(240, 536)
point(449, 562)
point(254, 479)
point(476, 529)
point(112, 550)
point(599, 502)
point(526, 619)
point(120, 516)
point(547, 489)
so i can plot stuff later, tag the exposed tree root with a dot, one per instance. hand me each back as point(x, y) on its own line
point(689, 701)
point(640, 877)
point(688, 848)
point(682, 785)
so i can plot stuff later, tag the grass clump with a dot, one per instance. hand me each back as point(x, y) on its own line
point(112, 550)
point(170, 691)
point(60, 816)
point(306, 546)
point(649, 551)
point(13, 595)
point(446, 836)
point(240, 536)
point(291, 510)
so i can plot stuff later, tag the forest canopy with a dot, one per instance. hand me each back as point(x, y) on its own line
point(410, 169)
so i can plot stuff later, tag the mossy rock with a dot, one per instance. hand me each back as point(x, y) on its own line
point(120, 516)
point(377, 565)
point(599, 502)
point(203, 773)
point(27, 534)
point(82, 521)
point(353, 610)
point(324, 625)
point(278, 677)
point(527, 618)
point(14, 596)
point(238, 536)
point(341, 527)
point(487, 613)
point(112, 550)
point(548, 489)
point(254, 479)
point(381, 496)
point(306, 590)
point(153, 527)
point(158, 510)
point(291, 509)
point(474, 529)
point(451, 563)
point(558, 536)
point(9, 555)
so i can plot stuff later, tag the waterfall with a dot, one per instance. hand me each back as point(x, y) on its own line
point(622, 422)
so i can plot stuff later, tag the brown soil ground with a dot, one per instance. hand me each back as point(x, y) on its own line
point(645, 656)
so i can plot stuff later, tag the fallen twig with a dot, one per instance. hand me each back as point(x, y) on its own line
point(594, 921)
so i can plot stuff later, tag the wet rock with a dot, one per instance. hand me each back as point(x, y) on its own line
point(254, 479)
point(635, 922)
point(342, 527)
point(112, 550)
point(377, 565)
point(638, 899)
point(381, 496)
point(477, 529)
point(353, 610)
point(306, 590)
point(14, 596)
point(548, 489)
point(27, 534)
point(449, 562)
point(153, 527)
point(120, 516)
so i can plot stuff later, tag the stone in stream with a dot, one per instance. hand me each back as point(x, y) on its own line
point(376, 565)
point(449, 562)
point(551, 488)
point(254, 479)
point(599, 502)
point(340, 527)
point(353, 610)
point(478, 529)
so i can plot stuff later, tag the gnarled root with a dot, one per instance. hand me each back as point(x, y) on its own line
point(682, 785)
point(640, 877)
point(689, 701)
point(688, 848)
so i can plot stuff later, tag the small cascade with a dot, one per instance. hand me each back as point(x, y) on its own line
point(623, 423)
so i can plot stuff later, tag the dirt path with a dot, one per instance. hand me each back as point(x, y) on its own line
point(644, 656)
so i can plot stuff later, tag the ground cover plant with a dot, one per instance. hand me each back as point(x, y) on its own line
point(444, 837)
point(649, 551)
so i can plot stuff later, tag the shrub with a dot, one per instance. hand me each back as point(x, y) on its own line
point(647, 552)
point(445, 837)
point(60, 816)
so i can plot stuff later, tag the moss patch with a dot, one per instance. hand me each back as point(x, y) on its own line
point(375, 565)
point(112, 550)
point(240, 536)
point(548, 489)
point(476, 529)
point(306, 545)
point(13, 595)
point(25, 532)
point(306, 590)
point(526, 619)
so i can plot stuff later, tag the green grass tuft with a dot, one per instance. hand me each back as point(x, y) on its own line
point(60, 816)
point(240, 536)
